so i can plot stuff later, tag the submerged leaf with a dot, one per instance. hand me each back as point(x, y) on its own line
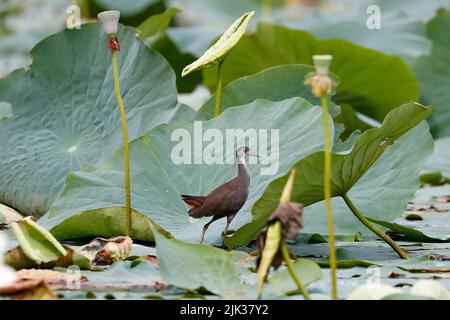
point(223, 46)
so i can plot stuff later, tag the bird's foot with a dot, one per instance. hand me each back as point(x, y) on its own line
point(228, 233)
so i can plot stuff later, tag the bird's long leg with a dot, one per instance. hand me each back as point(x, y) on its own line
point(207, 226)
point(229, 219)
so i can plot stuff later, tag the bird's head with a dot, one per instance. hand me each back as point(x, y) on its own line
point(244, 151)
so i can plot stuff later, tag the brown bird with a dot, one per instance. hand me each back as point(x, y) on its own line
point(226, 200)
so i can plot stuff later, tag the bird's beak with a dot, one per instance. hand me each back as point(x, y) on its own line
point(253, 155)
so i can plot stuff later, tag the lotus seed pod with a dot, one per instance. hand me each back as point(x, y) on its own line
point(109, 20)
point(322, 64)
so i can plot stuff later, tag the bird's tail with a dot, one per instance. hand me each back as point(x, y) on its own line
point(193, 201)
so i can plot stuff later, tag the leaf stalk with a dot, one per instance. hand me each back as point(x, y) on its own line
point(126, 152)
point(327, 194)
point(290, 267)
point(218, 107)
point(374, 229)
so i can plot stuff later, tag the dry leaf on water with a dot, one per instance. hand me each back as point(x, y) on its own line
point(106, 251)
point(28, 290)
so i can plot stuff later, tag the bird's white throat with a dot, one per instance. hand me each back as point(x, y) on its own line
point(241, 160)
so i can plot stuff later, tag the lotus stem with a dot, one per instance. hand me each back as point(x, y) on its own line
point(327, 193)
point(374, 229)
point(290, 267)
point(126, 152)
point(85, 9)
point(218, 108)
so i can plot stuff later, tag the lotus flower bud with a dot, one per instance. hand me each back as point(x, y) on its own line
point(322, 64)
point(109, 20)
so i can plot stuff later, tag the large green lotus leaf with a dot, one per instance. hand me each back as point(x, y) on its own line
point(223, 272)
point(408, 34)
point(274, 84)
point(65, 115)
point(157, 23)
point(372, 82)
point(178, 61)
point(433, 73)
point(202, 266)
point(379, 183)
point(5, 110)
point(105, 222)
point(157, 181)
point(384, 191)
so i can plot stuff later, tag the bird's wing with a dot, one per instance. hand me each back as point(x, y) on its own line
point(193, 201)
point(215, 199)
